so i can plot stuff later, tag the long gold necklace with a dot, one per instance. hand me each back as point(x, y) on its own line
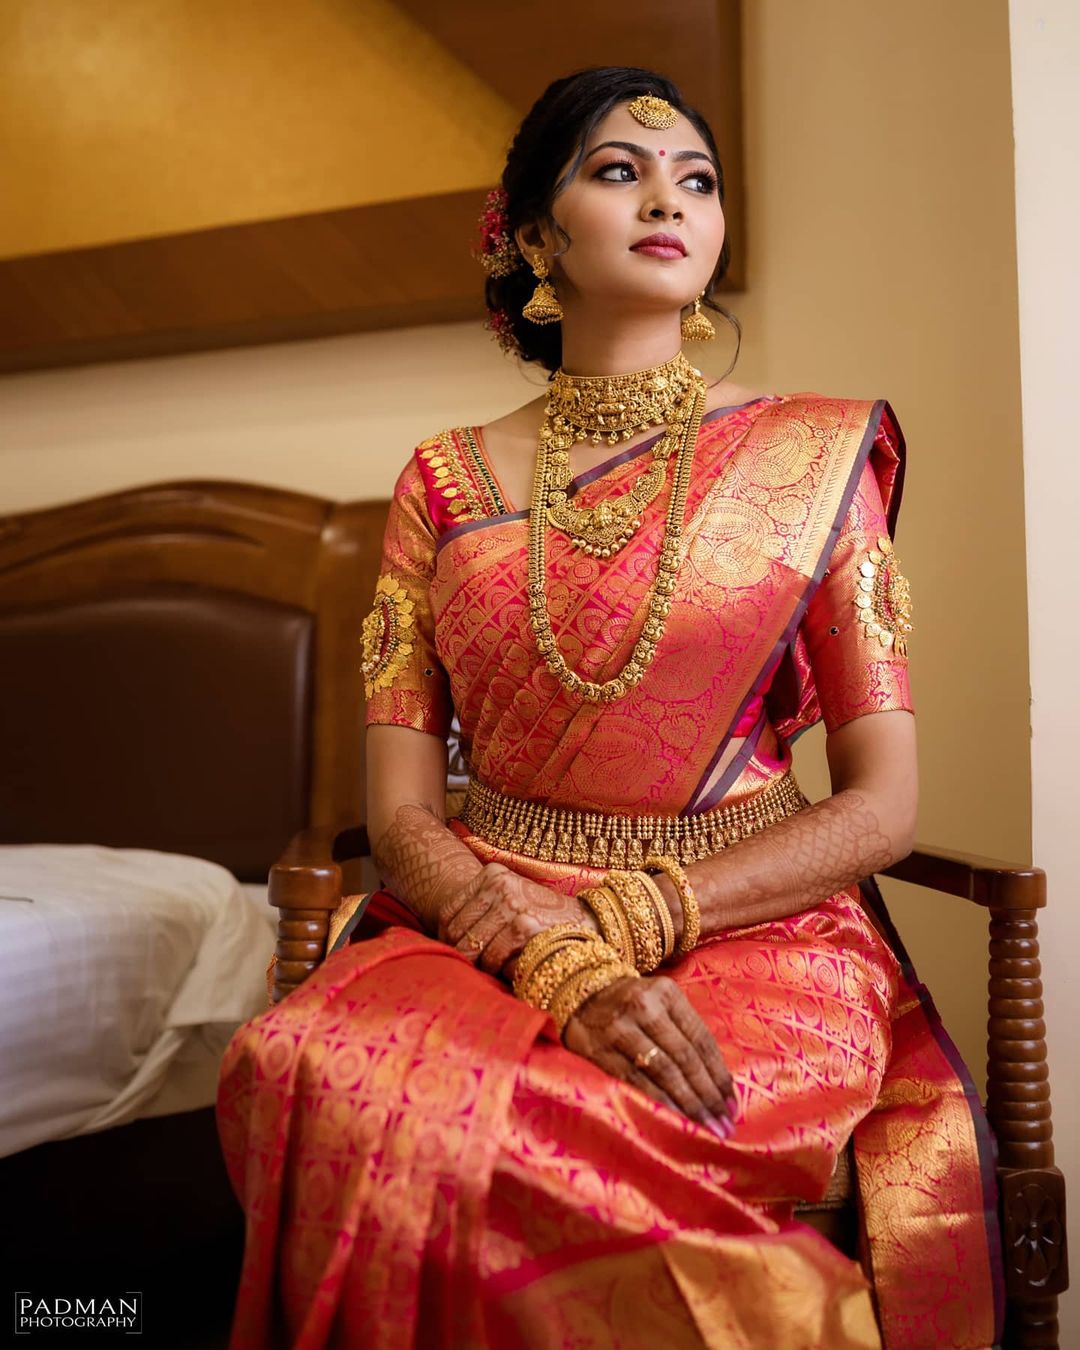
point(666, 569)
point(599, 407)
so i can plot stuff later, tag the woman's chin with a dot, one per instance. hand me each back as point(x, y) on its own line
point(635, 301)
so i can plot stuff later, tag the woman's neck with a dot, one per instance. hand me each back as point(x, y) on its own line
point(613, 347)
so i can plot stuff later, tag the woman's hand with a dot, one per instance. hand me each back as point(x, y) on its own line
point(646, 1032)
point(492, 917)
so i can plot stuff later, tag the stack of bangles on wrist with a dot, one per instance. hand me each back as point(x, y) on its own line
point(562, 967)
point(634, 918)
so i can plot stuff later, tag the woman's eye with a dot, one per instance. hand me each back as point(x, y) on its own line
point(706, 178)
point(616, 164)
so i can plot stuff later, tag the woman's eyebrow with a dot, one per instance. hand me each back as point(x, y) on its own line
point(645, 153)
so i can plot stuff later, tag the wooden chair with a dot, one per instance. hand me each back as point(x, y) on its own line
point(322, 864)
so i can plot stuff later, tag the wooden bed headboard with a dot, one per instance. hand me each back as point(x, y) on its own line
point(179, 669)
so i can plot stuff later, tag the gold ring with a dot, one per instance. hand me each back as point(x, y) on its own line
point(473, 943)
point(644, 1060)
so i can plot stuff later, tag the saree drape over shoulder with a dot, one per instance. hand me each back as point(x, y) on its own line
point(420, 1159)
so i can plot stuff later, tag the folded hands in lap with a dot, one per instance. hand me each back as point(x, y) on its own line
point(491, 919)
point(645, 1031)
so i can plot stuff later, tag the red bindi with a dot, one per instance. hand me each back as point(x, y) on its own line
point(661, 152)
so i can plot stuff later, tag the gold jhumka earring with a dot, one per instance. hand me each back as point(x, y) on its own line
point(543, 305)
point(696, 326)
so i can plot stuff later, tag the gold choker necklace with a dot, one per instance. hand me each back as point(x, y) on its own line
point(673, 392)
point(599, 407)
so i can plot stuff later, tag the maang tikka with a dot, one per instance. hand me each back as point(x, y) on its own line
point(543, 305)
point(653, 112)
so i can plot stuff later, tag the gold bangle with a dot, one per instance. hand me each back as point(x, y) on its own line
point(540, 946)
point(644, 921)
point(557, 966)
point(560, 965)
point(610, 915)
point(691, 910)
point(580, 987)
point(667, 923)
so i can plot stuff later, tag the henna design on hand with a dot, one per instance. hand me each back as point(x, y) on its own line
point(792, 865)
point(424, 863)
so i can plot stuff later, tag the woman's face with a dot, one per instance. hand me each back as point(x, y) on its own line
point(649, 182)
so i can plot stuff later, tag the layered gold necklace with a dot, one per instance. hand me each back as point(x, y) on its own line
point(613, 407)
point(595, 407)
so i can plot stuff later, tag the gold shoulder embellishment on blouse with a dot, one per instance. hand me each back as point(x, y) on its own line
point(440, 454)
point(883, 599)
point(387, 635)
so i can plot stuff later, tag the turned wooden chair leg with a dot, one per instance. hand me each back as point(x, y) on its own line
point(1032, 1189)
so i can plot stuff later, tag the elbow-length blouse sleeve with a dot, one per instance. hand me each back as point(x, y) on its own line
point(857, 623)
point(404, 681)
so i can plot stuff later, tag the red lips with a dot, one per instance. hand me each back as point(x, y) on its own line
point(662, 241)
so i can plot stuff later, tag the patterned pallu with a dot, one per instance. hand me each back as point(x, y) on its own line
point(420, 1159)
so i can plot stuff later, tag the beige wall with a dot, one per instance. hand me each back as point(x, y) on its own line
point(1046, 57)
point(883, 265)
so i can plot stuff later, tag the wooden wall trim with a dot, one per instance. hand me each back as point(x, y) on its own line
point(389, 265)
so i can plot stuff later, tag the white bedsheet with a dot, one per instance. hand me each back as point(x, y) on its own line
point(123, 973)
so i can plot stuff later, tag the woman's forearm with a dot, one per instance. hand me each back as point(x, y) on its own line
point(792, 865)
point(423, 862)
point(787, 868)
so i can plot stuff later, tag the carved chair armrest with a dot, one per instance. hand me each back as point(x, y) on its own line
point(305, 888)
point(983, 881)
point(1018, 1090)
point(1032, 1189)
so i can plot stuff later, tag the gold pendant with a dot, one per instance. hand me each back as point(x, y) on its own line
point(603, 530)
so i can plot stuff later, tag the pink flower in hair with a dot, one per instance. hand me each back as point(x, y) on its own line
point(496, 251)
point(501, 328)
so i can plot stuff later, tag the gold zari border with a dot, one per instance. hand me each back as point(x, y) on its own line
point(559, 834)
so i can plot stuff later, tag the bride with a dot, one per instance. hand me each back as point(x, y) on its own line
point(563, 1079)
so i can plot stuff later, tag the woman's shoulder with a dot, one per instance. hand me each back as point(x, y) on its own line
point(449, 472)
point(816, 397)
point(815, 409)
point(844, 422)
point(727, 394)
point(519, 424)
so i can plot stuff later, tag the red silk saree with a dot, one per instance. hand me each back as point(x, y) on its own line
point(420, 1159)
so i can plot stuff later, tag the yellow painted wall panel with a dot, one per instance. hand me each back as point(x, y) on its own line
point(121, 119)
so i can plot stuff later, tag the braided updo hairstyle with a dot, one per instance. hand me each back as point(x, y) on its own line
point(559, 126)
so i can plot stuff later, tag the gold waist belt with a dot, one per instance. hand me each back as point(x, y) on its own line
point(561, 834)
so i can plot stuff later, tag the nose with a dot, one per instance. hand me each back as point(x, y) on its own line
point(661, 206)
point(661, 198)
